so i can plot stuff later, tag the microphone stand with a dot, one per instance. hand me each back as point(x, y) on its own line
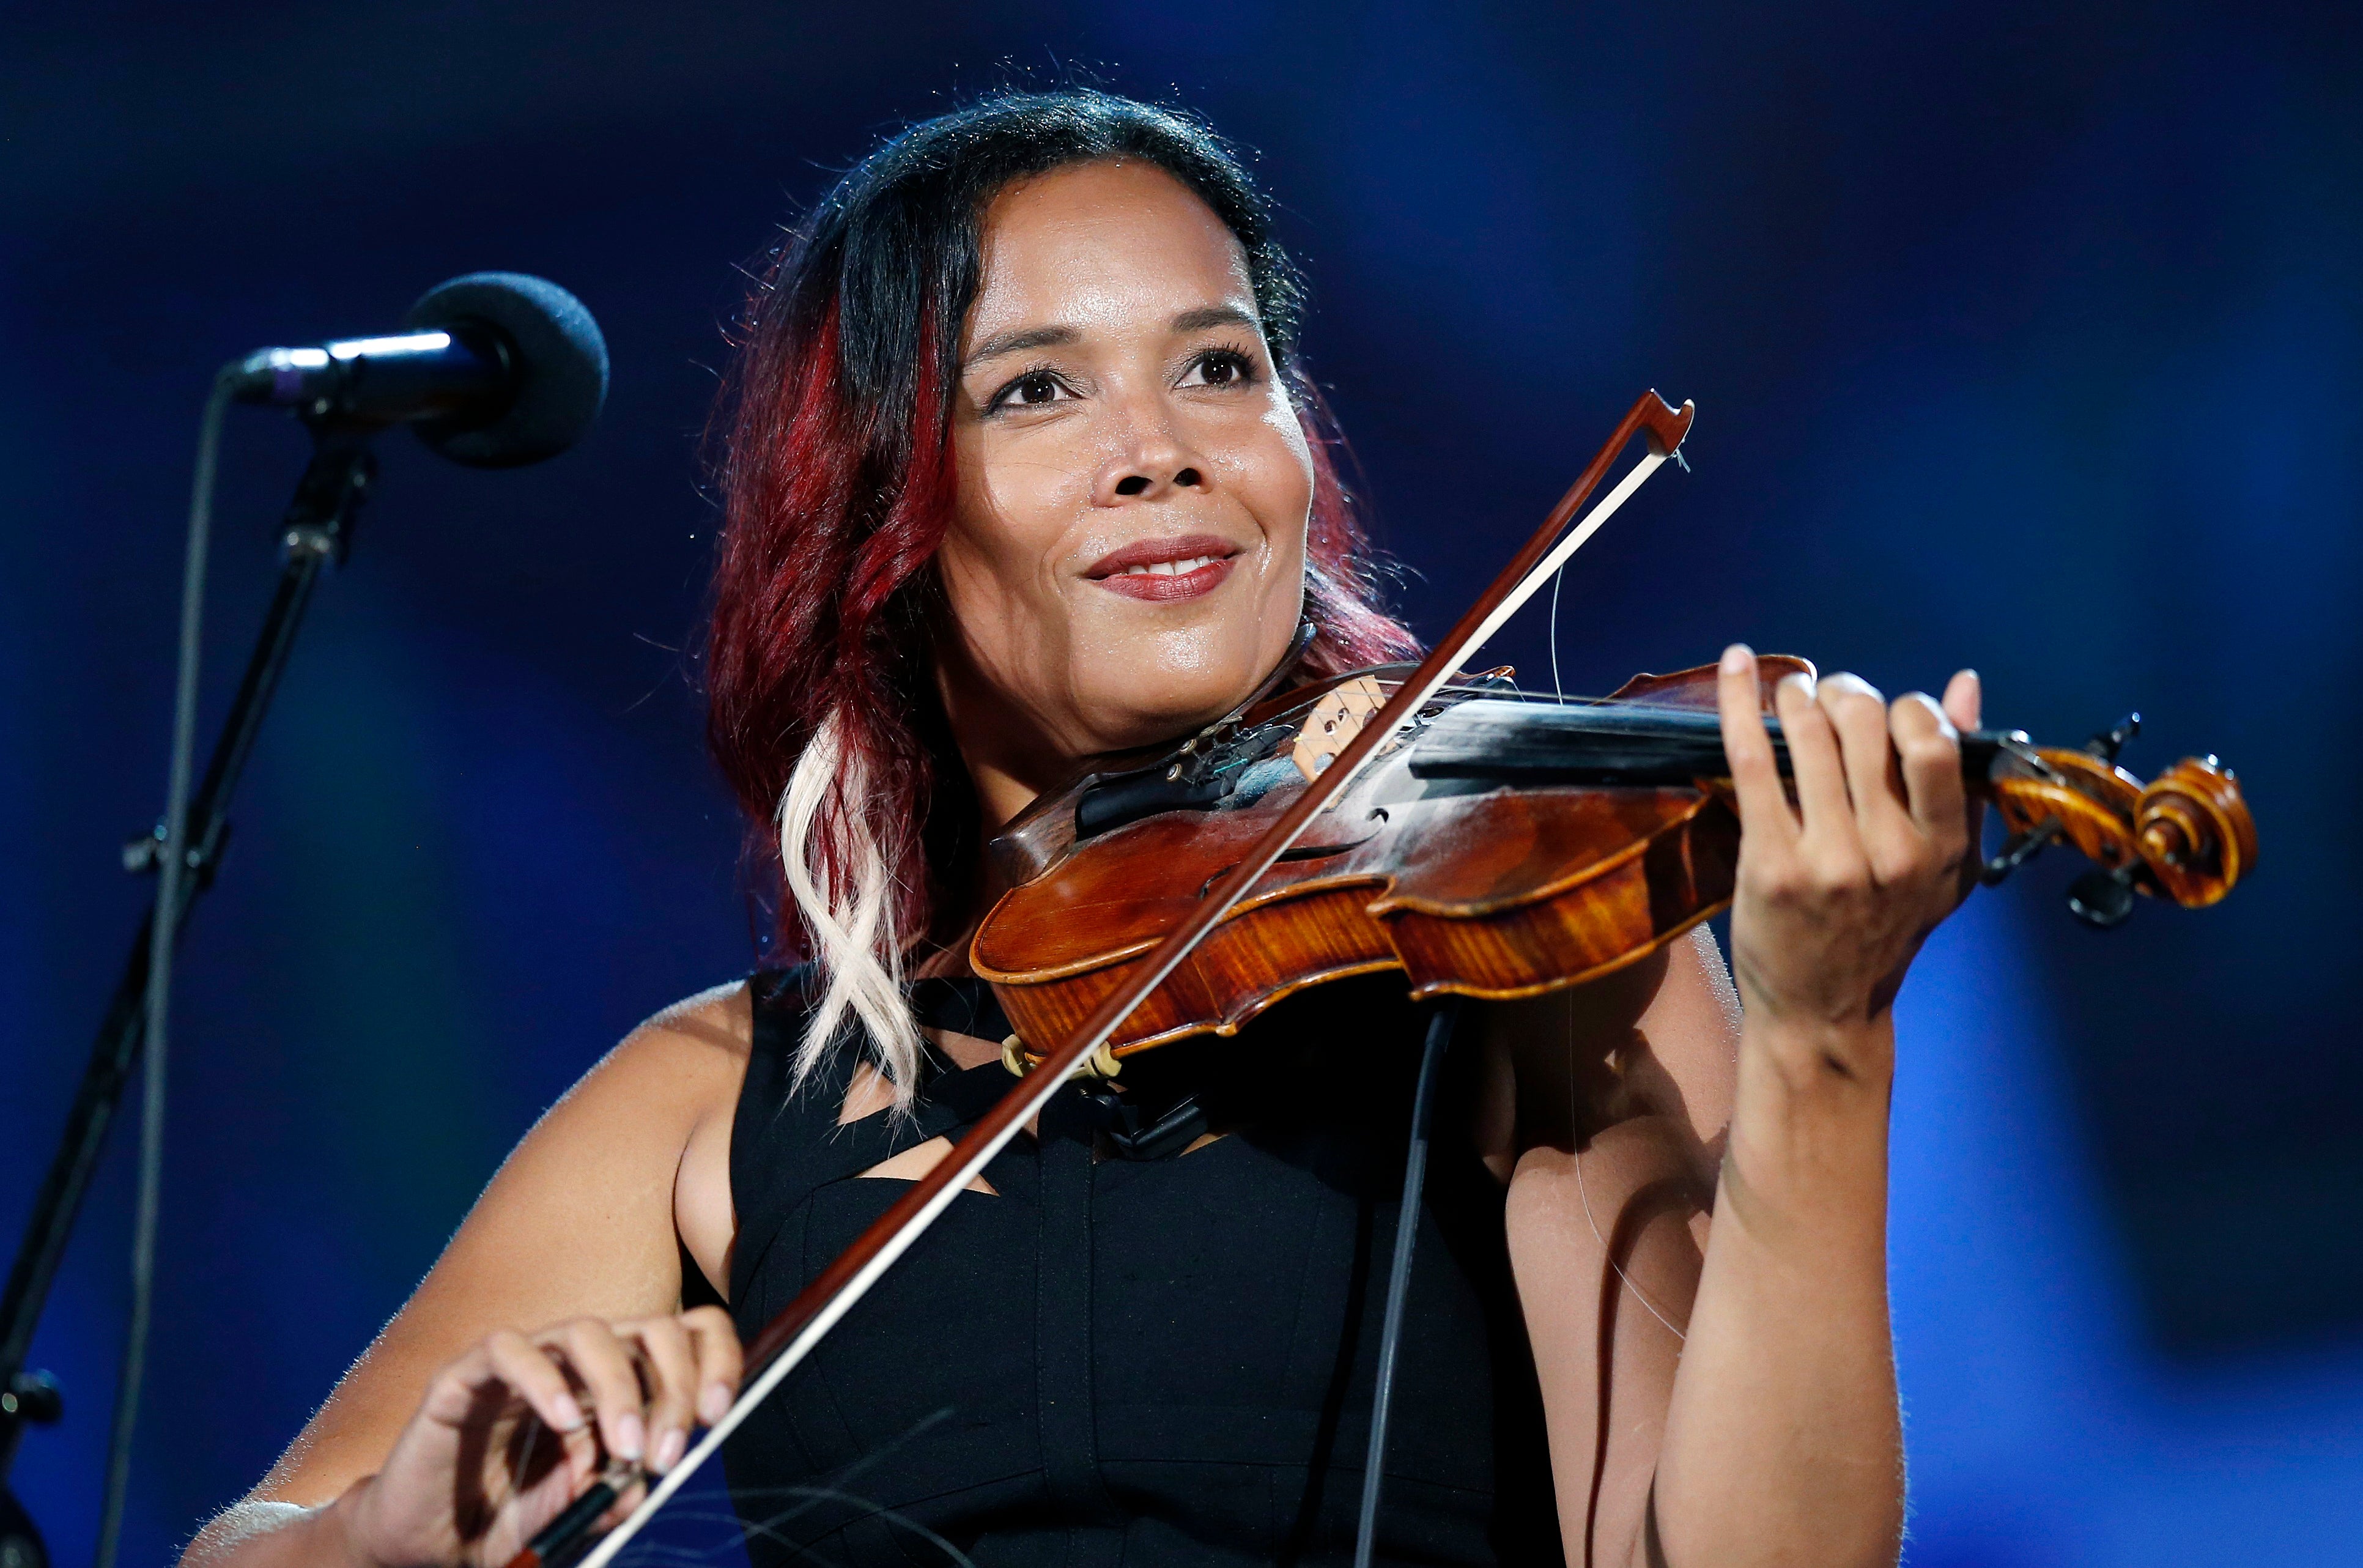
point(318, 532)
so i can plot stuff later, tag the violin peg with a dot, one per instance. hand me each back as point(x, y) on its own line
point(2017, 850)
point(1334, 722)
point(2102, 899)
point(2110, 741)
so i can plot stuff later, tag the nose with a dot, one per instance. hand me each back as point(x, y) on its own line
point(1155, 462)
point(1140, 483)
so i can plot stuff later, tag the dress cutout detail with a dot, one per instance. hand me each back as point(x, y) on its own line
point(1139, 1363)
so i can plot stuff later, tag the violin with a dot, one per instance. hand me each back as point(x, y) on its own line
point(1479, 840)
point(1504, 843)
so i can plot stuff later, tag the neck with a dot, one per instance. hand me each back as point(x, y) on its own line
point(1010, 757)
point(1010, 761)
point(1014, 752)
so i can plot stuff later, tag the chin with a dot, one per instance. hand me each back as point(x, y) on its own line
point(1154, 682)
point(1159, 701)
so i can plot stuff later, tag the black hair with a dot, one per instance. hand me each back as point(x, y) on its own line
point(835, 477)
point(900, 237)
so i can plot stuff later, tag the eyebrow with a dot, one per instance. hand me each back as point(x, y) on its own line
point(1018, 342)
point(1208, 316)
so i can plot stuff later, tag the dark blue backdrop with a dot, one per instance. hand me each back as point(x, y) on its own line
point(2023, 336)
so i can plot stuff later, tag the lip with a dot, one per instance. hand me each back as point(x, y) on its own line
point(1112, 572)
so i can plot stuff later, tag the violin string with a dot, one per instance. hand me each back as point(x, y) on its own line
point(733, 1538)
point(807, 1498)
point(1584, 1197)
point(1035, 1091)
point(1609, 1253)
point(871, 1511)
point(1513, 692)
point(742, 1528)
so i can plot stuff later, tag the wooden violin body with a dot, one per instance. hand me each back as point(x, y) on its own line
point(1497, 848)
point(1476, 843)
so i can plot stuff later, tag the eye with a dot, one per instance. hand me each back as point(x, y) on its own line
point(1220, 367)
point(1032, 390)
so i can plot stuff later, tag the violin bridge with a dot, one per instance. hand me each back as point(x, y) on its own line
point(1334, 722)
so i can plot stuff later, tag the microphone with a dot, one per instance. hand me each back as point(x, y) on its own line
point(493, 370)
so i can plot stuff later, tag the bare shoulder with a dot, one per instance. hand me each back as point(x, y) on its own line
point(582, 1220)
point(605, 1165)
point(701, 1037)
point(720, 1018)
point(640, 1105)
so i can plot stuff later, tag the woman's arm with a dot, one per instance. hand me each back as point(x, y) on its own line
point(1740, 1408)
point(582, 1228)
point(1616, 1146)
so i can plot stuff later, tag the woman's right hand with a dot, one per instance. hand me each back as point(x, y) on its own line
point(521, 1424)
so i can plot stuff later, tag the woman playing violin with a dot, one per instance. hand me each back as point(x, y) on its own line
point(1019, 471)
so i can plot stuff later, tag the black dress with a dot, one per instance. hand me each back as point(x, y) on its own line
point(1152, 1362)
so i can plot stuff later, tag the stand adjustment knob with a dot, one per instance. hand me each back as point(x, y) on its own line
point(32, 1397)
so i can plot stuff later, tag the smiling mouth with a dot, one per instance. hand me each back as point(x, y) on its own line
point(1168, 568)
point(1165, 570)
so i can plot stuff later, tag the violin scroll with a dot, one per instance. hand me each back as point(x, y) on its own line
point(2186, 837)
point(2194, 833)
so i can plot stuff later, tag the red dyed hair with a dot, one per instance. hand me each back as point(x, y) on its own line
point(837, 484)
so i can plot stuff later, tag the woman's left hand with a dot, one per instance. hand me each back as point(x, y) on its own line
point(1837, 892)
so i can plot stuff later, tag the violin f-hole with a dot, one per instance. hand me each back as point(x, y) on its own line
point(1295, 852)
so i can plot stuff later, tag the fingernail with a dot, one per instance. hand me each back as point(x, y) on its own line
point(715, 1403)
point(1802, 682)
point(1735, 659)
point(1846, 680)
point(631, 1440)
point(669, 1446)
point(569, 1413)
point(1937, 710)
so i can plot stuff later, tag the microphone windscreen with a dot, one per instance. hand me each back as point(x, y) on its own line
point(558, 367)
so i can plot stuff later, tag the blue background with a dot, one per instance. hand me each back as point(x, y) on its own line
point(2023, 336)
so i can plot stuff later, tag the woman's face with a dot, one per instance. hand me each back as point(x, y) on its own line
point(1126, 558)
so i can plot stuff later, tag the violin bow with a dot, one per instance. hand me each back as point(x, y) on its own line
point(800, 1326)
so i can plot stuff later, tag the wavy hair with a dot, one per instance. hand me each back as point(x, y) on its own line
point(834, 468)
